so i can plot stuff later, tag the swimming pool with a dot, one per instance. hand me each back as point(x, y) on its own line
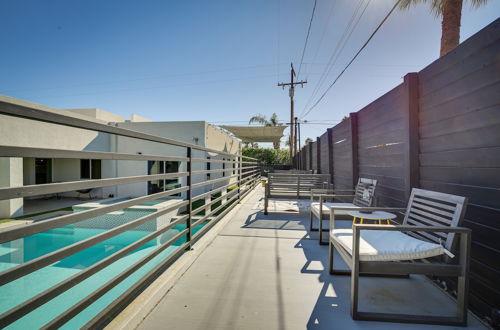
point(30, 247)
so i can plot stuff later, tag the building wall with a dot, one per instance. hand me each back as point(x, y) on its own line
point(29, 133)
point(11, 176)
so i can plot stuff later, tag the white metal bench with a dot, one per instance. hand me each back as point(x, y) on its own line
point(293, 186)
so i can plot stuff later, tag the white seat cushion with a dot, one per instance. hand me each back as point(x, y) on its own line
point(386, 245)
point(326, 208)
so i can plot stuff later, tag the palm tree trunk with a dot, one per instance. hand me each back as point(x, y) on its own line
point(452, 14)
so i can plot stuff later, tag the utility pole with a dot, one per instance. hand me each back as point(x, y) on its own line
point(293, 135)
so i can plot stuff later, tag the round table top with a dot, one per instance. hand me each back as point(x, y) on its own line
point(375, 215)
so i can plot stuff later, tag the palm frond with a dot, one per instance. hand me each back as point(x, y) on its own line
point(437, 5)
point(259, 119)
point(273, 121)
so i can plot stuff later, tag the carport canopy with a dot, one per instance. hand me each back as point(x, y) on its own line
point(257, 133)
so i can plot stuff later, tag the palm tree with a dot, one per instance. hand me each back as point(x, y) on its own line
point(451, 13)
point(273, 121)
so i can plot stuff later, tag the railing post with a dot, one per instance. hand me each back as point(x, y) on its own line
point(240, 169)
point(189, 195)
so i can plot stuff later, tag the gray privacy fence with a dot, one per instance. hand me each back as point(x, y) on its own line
point(438, 130)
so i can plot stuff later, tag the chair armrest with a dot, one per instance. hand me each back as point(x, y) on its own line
point(366, 208)
point(333, 195)
point(440, 229)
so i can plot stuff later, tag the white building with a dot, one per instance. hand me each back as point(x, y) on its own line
point(28, 171)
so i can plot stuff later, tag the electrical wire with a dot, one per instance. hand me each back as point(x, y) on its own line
point(346, 34)
point(307, 38)
point(354, 58)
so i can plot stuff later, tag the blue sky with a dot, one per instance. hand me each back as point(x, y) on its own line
point(217, 61)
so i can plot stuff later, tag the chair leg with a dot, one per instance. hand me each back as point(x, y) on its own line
point(355, 276)
point(311, 220)
point(331, 259)
point(320, 229)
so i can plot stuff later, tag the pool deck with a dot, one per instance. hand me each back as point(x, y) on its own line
point(269, 272)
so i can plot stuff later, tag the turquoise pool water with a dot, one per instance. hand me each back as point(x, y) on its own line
point(150, 203)
point(30, 247)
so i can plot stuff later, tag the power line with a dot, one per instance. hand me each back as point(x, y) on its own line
point(330, 15)
point(355, 56)
point(307, 38)
point(346, 34)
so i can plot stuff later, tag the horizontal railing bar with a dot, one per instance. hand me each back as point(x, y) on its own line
point(31, 304)
point(131, 292)
point(52, 188)
point(16, 110)
point(247, 157)
point(201, 184)
point(213, 201)
point(217, 218)
point(213, 191)
point(310, 176)
point(28, 267)
point(212, 212)
point(10, 151)
point(71, 312)
point(37, 227)
point(204, 160)
point(219, 170)
point(250, 172)
point(250, 177)
point(250, 167)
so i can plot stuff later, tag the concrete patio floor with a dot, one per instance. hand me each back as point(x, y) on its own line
point(268, 272)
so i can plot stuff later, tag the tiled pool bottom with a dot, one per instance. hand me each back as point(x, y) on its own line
point(33, 246)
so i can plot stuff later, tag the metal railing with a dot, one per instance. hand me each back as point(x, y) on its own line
point(241, 173)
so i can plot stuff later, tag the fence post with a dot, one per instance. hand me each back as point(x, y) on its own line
point(318, 154)
point(298, 186)
point(189, 195)
point(330, 153)
point(310, 149)
point(353, 118)
point(412, 142)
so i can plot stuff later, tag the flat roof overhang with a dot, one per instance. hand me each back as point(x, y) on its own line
point(257, 133)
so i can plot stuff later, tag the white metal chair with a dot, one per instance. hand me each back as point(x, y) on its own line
point(430, 226)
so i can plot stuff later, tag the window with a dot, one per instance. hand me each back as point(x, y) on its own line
point(208, 168)
point(161, 167)
point(234, 166)
point(90, 168)
point(43, 170)
point(223, 167)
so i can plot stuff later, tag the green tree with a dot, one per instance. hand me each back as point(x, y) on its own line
point(308, 140)
point(268, 156)
point(272, 121)
point(450, 12)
